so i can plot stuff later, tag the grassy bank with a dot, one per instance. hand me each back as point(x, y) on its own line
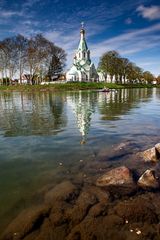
point(72, 86)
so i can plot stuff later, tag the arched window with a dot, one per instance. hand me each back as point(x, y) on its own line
point(84, 54)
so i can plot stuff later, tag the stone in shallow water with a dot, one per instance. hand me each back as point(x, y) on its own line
point(148, 180)
point(117, 177)
point(157, 147)
point(150, 155)
point(118, 180)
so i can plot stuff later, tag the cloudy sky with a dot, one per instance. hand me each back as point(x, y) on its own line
point(130, 26)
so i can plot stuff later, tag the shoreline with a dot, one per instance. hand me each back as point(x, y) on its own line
point(73, 87)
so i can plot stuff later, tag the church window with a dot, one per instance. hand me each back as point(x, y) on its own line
point(84, 54)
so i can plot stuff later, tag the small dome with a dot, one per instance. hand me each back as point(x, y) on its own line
point(82, 31)
point(72, 71)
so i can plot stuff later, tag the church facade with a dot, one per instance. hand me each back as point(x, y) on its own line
point(82, 70)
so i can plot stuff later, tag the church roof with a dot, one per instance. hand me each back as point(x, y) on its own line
point(82, 44)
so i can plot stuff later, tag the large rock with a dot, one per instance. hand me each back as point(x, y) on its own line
point(149, 155)
point(117, 179)
point(157, 147)
point(148, 180)
point(152, 154)
point(117, 176)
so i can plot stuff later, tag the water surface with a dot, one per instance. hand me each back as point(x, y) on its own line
point(44, 135)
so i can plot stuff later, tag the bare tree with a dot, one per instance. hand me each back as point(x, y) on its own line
point(21, 45)
point(34, 57)
point(10, 58)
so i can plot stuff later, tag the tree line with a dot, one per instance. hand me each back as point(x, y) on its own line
point(122, 70)
point(41, 60)
point(36, 57)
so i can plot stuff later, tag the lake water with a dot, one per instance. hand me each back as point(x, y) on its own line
point(45, 135)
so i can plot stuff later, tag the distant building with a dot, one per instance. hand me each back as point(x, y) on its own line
point(154, 82)
point(82, 70)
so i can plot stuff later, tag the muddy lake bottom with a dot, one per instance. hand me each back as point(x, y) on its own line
point(54, 146)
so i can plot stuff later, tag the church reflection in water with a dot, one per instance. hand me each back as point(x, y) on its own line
point(24, 114)
point(83, 106)
point(110, 106)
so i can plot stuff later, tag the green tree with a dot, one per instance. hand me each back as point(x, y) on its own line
point(57, 62)
point(158, 79)
point(148, 76)
point(109, 63)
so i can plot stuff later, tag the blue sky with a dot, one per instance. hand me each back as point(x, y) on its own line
point(130, 26)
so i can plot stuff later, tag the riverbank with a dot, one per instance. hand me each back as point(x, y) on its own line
point(72, 86)
point(87, 207)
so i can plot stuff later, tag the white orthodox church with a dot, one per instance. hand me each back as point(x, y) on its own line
point(82, 70)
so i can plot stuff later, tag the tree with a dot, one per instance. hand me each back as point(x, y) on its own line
point(57, 63)
point(36, 58)
point(21, 45)
point(148, 76)
point(8, 58)
point(121, 68)
point(3, 60)
point(109, 63)
point(43, 58)
point(158, 79)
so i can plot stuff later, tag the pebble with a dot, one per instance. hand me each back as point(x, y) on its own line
point(81, 160)
point(60, 164)
point(131, 230)
point(138, 231)
point(126, 221)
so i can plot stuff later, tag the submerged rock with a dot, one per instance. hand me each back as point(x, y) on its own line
point(137, 209)
point(80, 210)
point(148, 180)
point(61, 192)
point(27, 221)
point(118, 179)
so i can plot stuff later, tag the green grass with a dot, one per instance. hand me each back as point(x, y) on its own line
point(72, 86)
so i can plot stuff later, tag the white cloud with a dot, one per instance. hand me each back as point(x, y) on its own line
point(10, 13)
point(30, 3)
point(150, 13)
point(130, 42)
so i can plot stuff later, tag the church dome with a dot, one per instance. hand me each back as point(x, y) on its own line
point(72, 71)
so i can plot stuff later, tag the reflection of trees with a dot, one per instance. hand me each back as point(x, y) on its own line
point(44, 113)
point(113, 105)
point(31, 113)
point(83, 105)
point(56, 103)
